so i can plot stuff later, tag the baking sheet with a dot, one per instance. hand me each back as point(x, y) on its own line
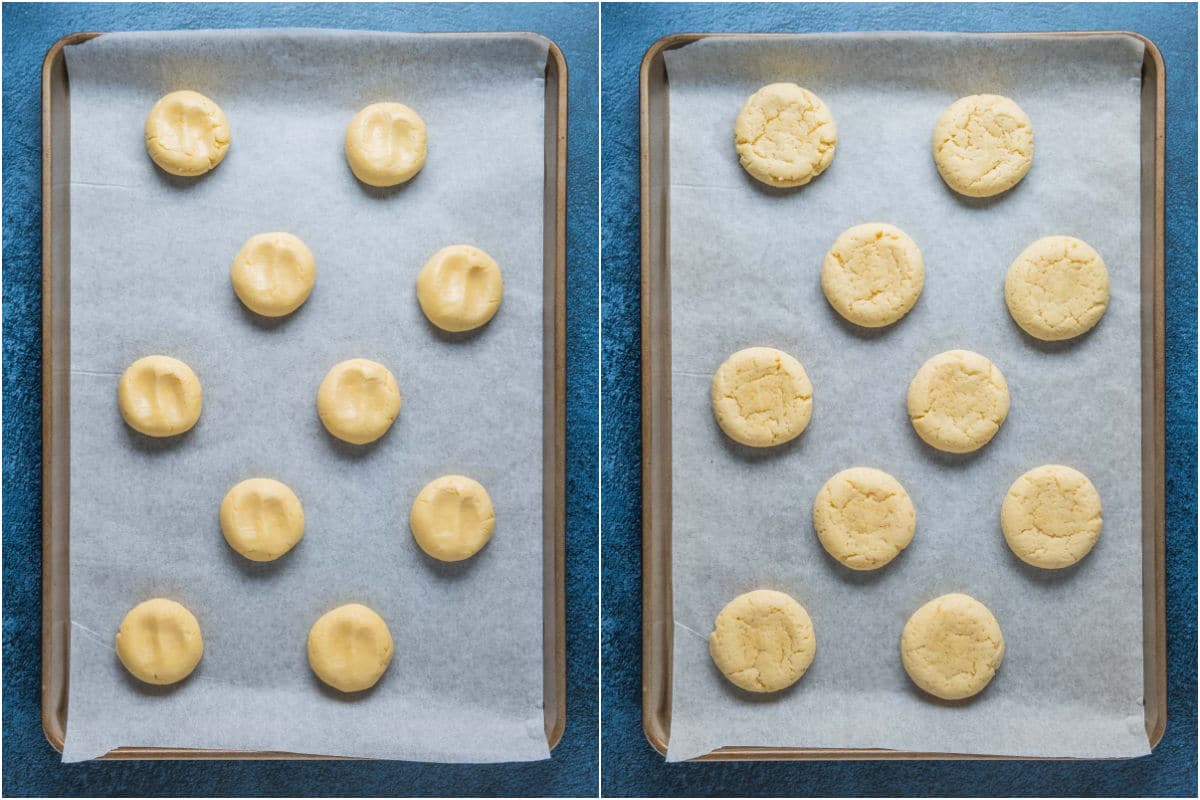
point(745, 265)
point(150, 257)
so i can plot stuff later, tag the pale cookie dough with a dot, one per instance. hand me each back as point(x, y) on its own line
point(273, 274)
point(159, 642)
point(262, 519)
point(460, 288)
point(186, 134)
point(864, 517)
point(983, 145)
point(1057, 288)
point(873, 274)
point(763, 641)
point(762, 397)
point(159, 396)
point(957, 401)
point(952, 646)
point(358, 401)
point(785, 136)
point(385, 144)
point(1051, 516)
point(452, 518)
point(349, 648)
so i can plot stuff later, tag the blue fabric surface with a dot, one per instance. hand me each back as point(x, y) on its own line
point(631, 767)
point(31, 766)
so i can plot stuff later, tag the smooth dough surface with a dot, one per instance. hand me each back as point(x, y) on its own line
point(957, 401)
point(350, 648)
point(762, 397)
point(159, 396)
point(983, 145)
point(952, 646)
point(273, 274)
point(460, 288)
point(187, 134)
point(358, 401)
point(785, 136)
point(1057, 288)
point(864, 517)
point(452, 518)
point(159, 642)
point(1051, 516)
point(873, 274)
point(763, 641)
point(262, 519)
point(385, 144)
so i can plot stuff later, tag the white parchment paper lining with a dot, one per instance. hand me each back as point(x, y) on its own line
point(745, 270)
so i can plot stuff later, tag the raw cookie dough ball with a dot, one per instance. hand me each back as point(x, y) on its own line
point(1051, 516)
point(785, 135)
point(186, 133)
point(452, 518)
point(863, 517)
point(763, 641)
point(952, 646)
point(262, 519)
point(873, 274)
point(159, 396)
point(385, 144)
point(358, 401)
point(460, 288)
point(957, 401)
point(273, 274)
point(983, 145)
point(159, 642)
point(1057, 288)
point(350, 647)
point(762, 397)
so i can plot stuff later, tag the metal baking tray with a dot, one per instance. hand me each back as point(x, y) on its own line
point(657, 615)
point(56, 445)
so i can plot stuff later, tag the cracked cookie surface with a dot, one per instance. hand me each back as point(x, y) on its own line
point(784, 135)
point(864, 517)
point(983, 145)
point(763, 641)
point(1057, 288)
point(952, 646)
point(762, 397)
point(957, 401)
point(1051, 516)
point(187, 134)
point(873, 274)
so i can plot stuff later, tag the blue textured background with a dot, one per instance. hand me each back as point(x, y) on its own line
point(31, 767)
point(631, 767)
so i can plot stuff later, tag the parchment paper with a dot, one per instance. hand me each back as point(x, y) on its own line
point(150, 258)
point(745, 270)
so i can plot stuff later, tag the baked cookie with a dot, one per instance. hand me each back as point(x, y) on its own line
point(350, 648)
point(873, 274)
point(186, 134)
point(460, 288)
point(262, 519)
point(1051, 516)
point(452, 518)
point(1057, 288)
point(957, 401)
point(385, 144)
point(952, 646)
point(273, 274)
point(358, 401)
point(983, 145)
point(785, 136)
point(159, 396)
point(761, 397)
point(159, 642)
point(763, 641)
point(863, 517)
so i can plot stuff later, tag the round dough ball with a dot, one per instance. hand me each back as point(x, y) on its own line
point(983, 145)
point(957, 401)
point(262, 519)
point(358, 401)
point(273, 274)
point(863, 517)
point(159, 642)
point(385, 144)
point(952, 646)
point(785, 136)
point(1051, 516)
point(452, 518)
point(350, 648)
point(762, 397)
point(460, 288)
point(763, 641)
point(159, 396)
point(873, 274)
point(1057, 288)
point(186, 134)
